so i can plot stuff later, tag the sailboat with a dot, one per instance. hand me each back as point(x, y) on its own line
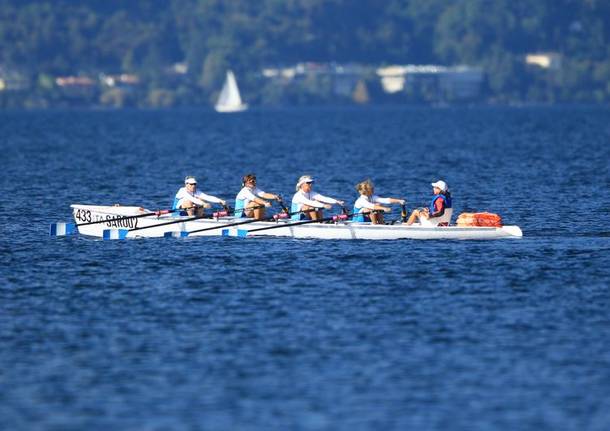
point(229, 99)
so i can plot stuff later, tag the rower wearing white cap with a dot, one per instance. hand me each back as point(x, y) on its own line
point(192, 200)
point(440, 210)
point(250, 201)
point(309, 202)
point(368, 203)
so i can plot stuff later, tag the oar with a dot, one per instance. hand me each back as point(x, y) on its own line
point(122, 233)
point(336, 218)
point(214, 215)
point(61, 228)
point(274, 217)
point(66, 228)
point(243, 233)
point(281, 202)
point(403, 214)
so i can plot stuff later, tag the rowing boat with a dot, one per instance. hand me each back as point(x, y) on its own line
point(123, 219)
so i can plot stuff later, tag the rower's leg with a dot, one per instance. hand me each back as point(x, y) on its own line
point(252, 211)
point(413, 217)
point(312, 215)
point(377, 218)
point(189, 207)
point(255, 212)
point(259, 213)
point(366, 214)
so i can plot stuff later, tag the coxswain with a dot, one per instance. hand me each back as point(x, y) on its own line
point(193, 201)
point(251, 201)
point(307, 204)
point(367, 208)
point(440, 210)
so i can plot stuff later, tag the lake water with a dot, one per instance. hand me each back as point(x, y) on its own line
point(273, 333)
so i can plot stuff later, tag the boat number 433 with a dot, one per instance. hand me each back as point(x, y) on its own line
point(85, 216)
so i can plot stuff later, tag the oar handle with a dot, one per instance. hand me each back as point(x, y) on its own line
point(218, 214)
point(233, 210)
point(403, 212)
point(335, 218)
point(228, 210)
point(243, 222)
point(281, 202)
point(299, 223)
point(285, 215)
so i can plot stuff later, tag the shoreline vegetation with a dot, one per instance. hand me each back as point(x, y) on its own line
point(175, 53)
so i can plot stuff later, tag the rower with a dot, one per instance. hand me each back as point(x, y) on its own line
point(192, 200)
point(367, 208)
point(250, 201)
point(310, 203)
point(440, 209)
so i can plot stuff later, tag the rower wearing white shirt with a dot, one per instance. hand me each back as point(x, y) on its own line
point(309, 202)
point(369, 202)
point(192, 200)
point(250, 201)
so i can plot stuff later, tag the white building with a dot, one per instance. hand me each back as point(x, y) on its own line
point(456, 82)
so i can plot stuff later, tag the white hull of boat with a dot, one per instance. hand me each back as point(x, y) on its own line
point(229, 109)
point(118, 218)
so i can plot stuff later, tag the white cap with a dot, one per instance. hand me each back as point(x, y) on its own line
point(304, 179)
point(190, 180)
point(441, 185)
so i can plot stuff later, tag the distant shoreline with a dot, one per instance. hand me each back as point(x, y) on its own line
point(346, 107)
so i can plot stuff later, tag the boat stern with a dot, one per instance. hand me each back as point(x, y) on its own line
point(513, 231)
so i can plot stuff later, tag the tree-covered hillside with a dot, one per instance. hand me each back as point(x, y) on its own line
point(41, 39)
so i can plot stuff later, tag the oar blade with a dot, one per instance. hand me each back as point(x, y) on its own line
point(238, 233)
point(176, 234)
point(62, 229)
point(115, 234)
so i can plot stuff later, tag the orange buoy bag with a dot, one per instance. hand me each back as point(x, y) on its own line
point(479, 219)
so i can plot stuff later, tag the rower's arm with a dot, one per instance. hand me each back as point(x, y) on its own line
point(388, 201)
point(326, 199)
point(385, 201)
point(379, 200)
point(269, 196)
point(209, 198)
point(300, 199)
point(192, 199)
point(363, 203)
point(260, 201)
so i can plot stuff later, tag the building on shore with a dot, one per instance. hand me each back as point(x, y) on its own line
point(415, 83)
point(11, 80)
point(544, 60)
point(432, 83)
point(77, 87)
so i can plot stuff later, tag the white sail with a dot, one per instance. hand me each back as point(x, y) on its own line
point(229, 99)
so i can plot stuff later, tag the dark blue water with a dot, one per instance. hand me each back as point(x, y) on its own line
point(274, 333)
